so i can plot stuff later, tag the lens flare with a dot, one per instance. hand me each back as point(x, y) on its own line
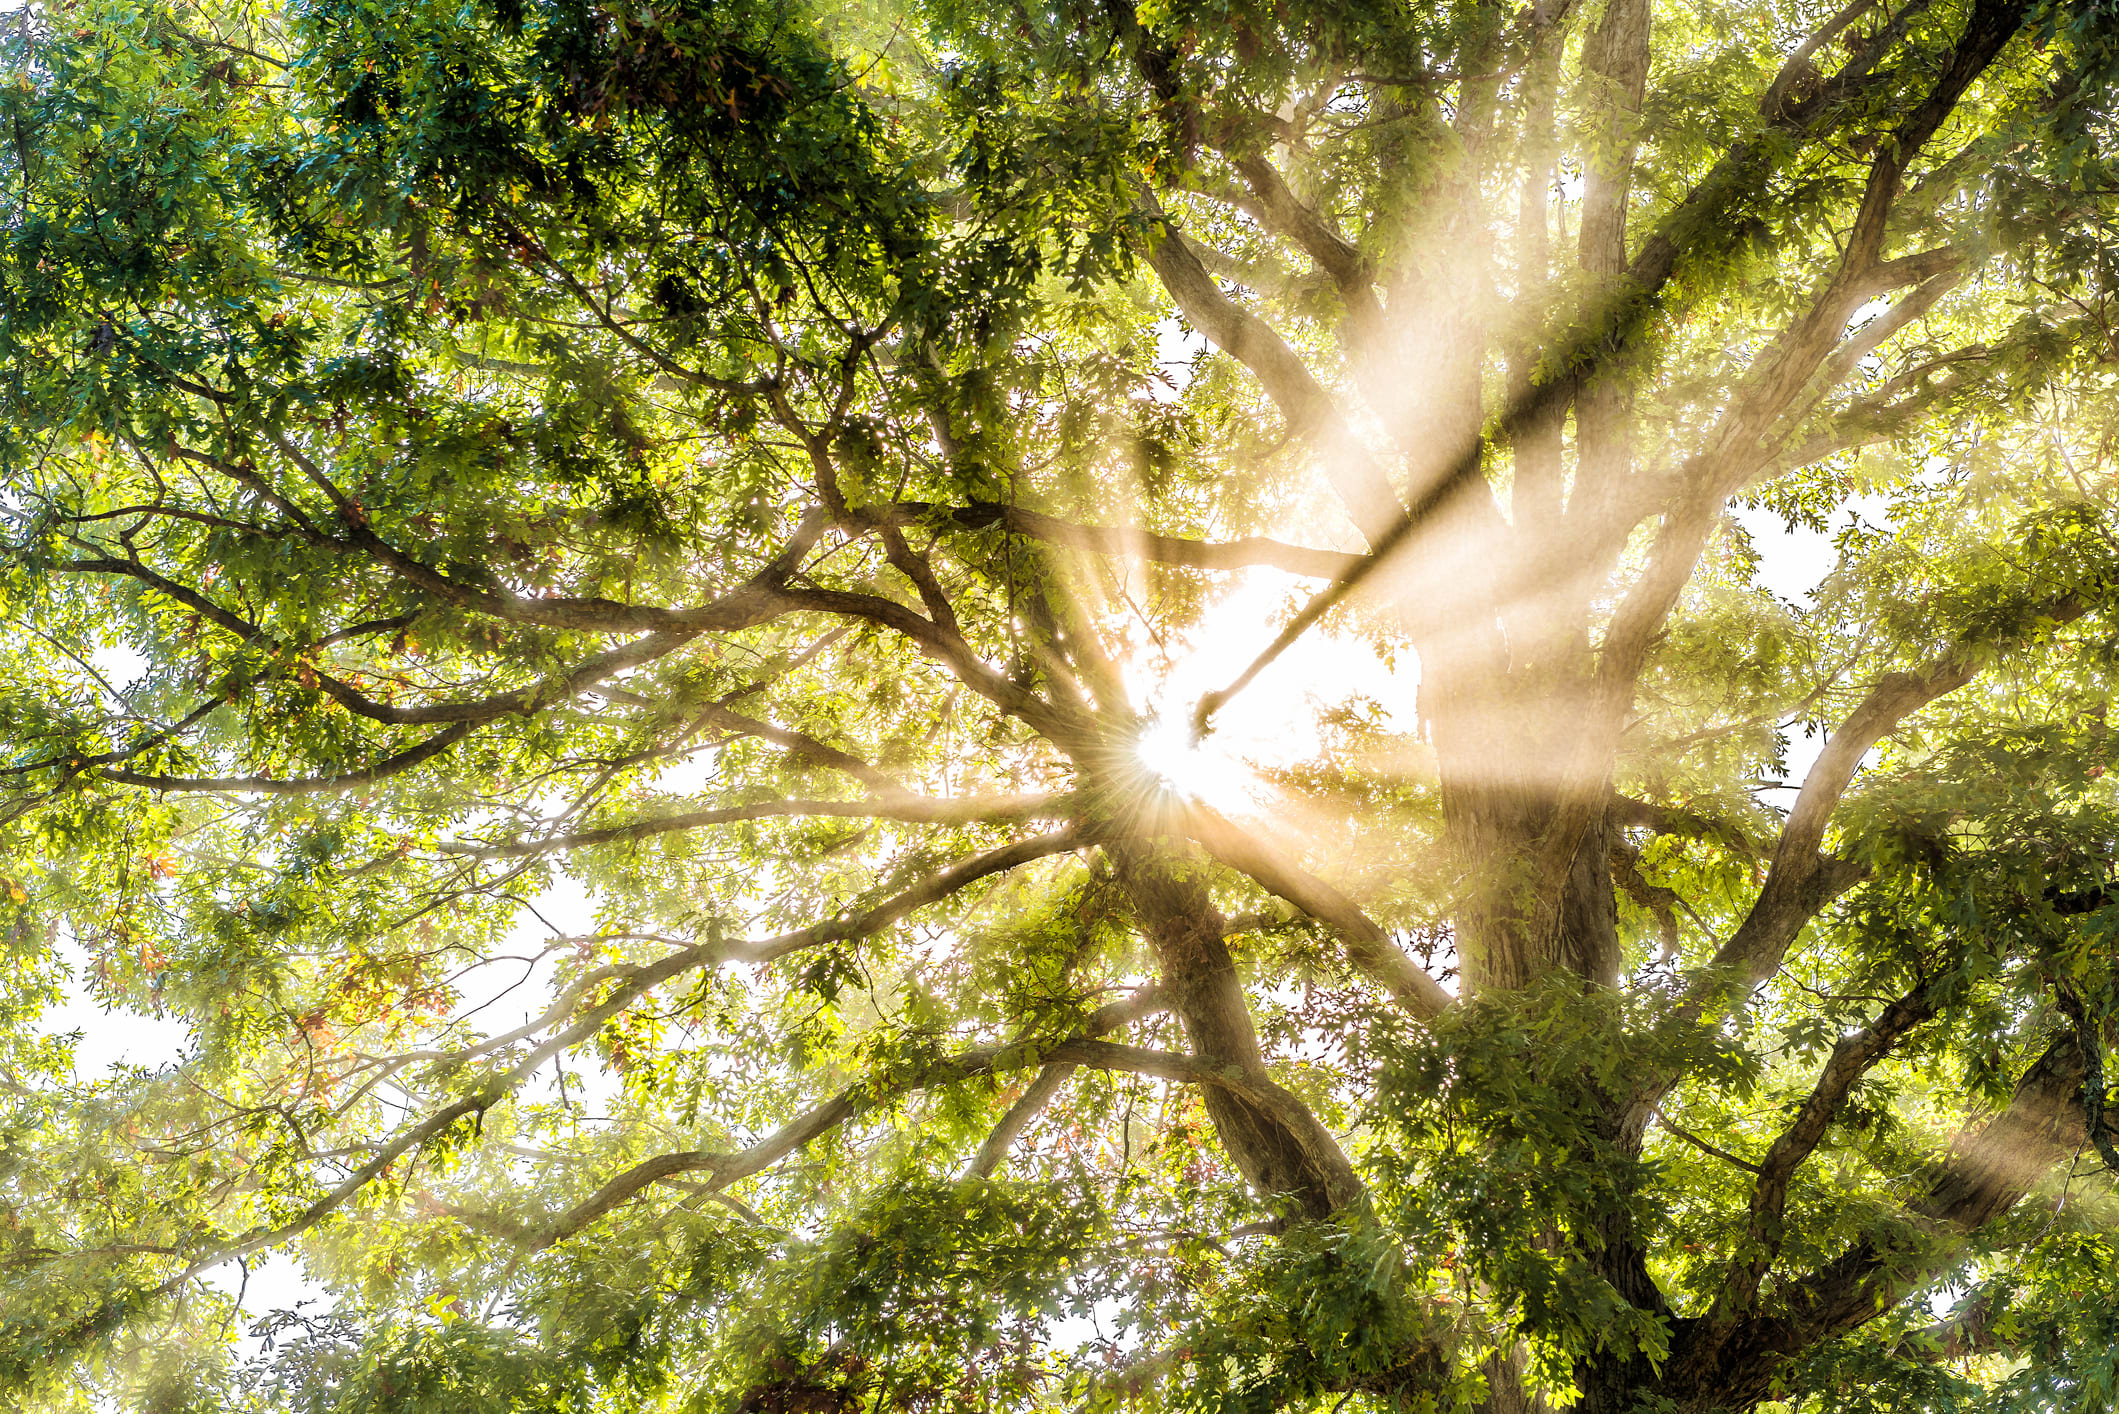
point(1276, 724)
point(1187, 766)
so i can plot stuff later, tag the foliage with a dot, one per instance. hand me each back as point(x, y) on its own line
point(832, 706)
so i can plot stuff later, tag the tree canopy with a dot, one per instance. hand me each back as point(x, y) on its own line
point(1131, 623)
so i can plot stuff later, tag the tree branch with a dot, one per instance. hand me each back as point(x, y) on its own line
point(994, 1151)
point(389, 766)
point(1250, 551)
point(726, 1169)
point(918, 810)
point(1368, 947)
point(805, 747)
point(1987, 1171)
point(948, 649)
point(1791, 894)
point(1309, 409)
point(930, 890)
point(637, 982)
point(1852, 1057)
point(743, 607)
point(485, 709)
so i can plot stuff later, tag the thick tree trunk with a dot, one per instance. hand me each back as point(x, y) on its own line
point(1615, 61)
point(1283, 1152)
point(1505, 1393)
point(1498, 798)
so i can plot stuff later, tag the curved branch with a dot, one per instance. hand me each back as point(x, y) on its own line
point(945, 647)
point(485, 709)
point(635, 979)
point(389, 766)
point(847, 927)
point(994, 1151)
point(1792, 105)
point(919, 810)
point(1792, 894)
point(1675, 820)
point(1987, 1172)
point(726, 1169)
point(637, 982)
point(1809, 348)
point(1368, 947)
point(806, 747)
point(742, 607)
point(1852, 1057)
point(1285, 213)
point(1309, 409)
point(1801, 879)
point(1711, 1150)
point(1248, 552)
point(481, 1097)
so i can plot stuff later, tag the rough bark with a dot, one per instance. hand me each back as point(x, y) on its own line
point(1281, 1149)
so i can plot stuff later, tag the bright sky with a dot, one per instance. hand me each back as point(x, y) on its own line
point(1274, 721)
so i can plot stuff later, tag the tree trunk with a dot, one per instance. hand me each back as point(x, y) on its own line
point(1283, 1152)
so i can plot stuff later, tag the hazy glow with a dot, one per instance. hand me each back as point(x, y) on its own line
point(1197, 770)
point(1273, 724)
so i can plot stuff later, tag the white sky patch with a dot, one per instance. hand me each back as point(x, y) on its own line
point(1868, 312)
point(1071, 1334)
point(1275, 721)
point(690, 773)
point(1793, 562)
point(266, 1282)
point(109, 1038)
point(120, 665)
point(1175, 348)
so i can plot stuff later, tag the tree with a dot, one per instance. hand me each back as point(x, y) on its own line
point(726, 461)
